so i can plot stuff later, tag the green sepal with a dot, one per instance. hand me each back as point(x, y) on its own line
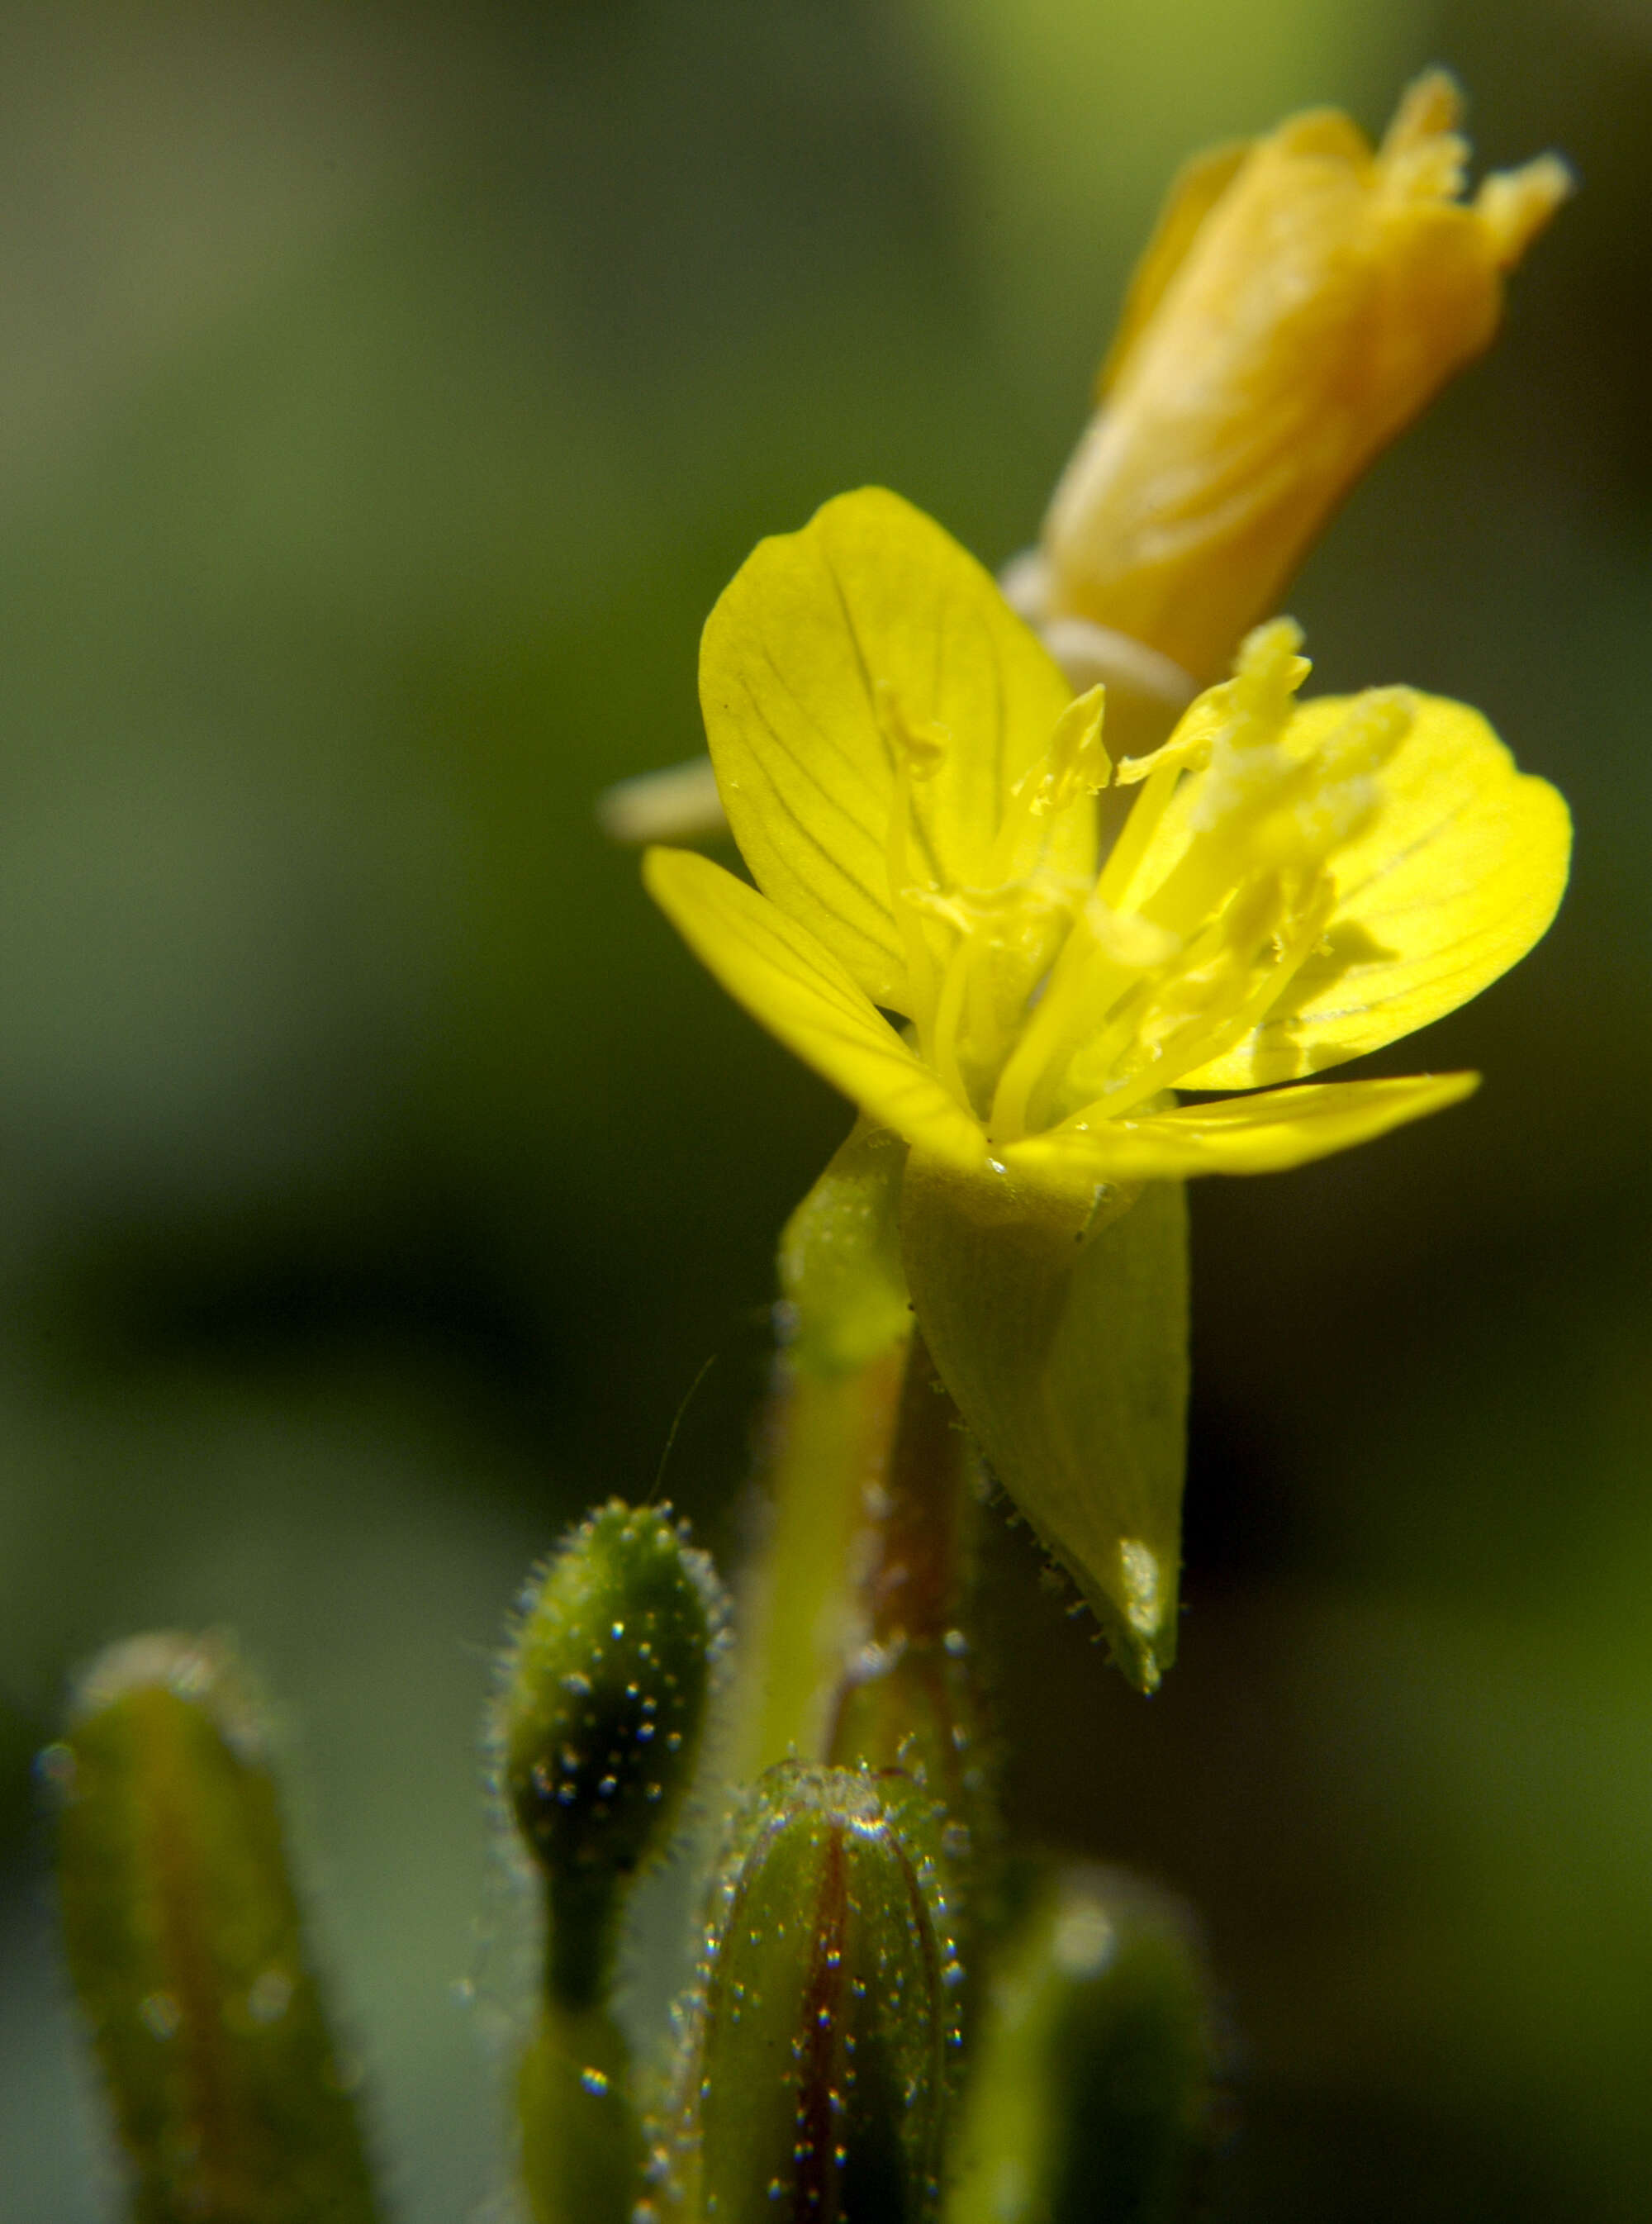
point(842, 1289)
point(1093, 2090)
point(817, 2073)
point(597, 1724)
point(1062, 1331)
point(187, 1949)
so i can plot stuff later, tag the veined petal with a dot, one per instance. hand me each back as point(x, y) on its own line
point(1242, 1135)
point(872, 613)
point(1194, 191)
point(799, 991)
point(1458, 874)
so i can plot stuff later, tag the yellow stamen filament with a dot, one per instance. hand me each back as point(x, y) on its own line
point(1147, 982)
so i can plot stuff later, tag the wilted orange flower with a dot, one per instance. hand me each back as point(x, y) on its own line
point(1303, 299)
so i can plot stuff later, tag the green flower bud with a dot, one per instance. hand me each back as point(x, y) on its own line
point(817, 2068)
point(184, 1944)
point(1091, 2094)
point(598, 1721)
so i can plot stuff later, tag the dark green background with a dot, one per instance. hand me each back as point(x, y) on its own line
point(385, 394)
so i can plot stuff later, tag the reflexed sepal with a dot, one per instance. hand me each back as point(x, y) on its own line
point(597, 1723)
point(1062, 1331)
point(185, 1946)
point(1091, 2097)
point(817, 2067)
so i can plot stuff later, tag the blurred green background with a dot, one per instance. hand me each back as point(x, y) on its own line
point(385, 394)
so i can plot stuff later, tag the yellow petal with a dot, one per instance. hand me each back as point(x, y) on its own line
point(1241, 1135)
point(1457, 876)
point(872, 591)
point(797, 989)
point(1194, 191)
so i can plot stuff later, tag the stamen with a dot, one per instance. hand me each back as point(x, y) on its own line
point(1073, 764)
point(1237, 991)
point(1267, 673)
point(1003, 940)
point(1040, 1038)
point(1117, 875)
point(1102, 957)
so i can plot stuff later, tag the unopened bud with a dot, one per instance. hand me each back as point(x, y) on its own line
point(599, 1718)
point(819, 2056)
point(1091, 2096)
point(187, 1950)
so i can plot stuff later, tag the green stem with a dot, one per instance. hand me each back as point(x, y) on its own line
point(583, 2149)
point(910, 1696)
point(800, 1616)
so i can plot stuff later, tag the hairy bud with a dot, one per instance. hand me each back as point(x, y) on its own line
point(599, 1717)
point(818, 2057)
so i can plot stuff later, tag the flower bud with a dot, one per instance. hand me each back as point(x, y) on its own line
point(1091, 2097)
point(184, 1944)
point(598, 1721)
point(817, 2065)
point(1303, 299)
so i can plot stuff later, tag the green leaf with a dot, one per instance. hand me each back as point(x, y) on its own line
point(1063, 1339)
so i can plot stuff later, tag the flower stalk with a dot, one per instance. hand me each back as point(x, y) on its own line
point(596, 1729)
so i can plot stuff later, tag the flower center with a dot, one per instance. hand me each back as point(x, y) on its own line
point(1040, 999)
point(975, 954)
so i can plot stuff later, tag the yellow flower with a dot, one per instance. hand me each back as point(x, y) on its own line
point(1303, 300)
point(913, 785)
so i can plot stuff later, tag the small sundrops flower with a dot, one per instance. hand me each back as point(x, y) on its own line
point(913, 787)
point(1303, 300)
point(938, 930)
